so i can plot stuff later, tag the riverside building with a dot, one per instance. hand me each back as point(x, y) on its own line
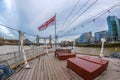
point(113, 28)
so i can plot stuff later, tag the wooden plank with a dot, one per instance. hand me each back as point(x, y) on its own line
point(30, 71)
point(46, 67)
point(56, 70)
point(61, 71)
point(34, 77)
point(53, 77)
point(38, 73)
point(53, 72)
point(41, 74)
point(16, 74)
point(73, 76)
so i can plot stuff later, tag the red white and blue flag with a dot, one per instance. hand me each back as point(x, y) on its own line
point(49, 22)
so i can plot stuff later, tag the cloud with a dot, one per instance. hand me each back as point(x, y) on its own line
point(97, 8)
point(8, 4)
point(27, 15)
point(6, 32)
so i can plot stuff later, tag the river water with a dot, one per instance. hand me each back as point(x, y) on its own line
point(8, 48)
point(84, 50)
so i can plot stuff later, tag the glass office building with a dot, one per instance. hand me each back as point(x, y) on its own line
point(85, 37)
point(113, 28)
point(101, 34)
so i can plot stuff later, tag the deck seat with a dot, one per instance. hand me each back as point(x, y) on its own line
point(96, 60)
point(86, 69)
point(65, 56)
point(61, 51)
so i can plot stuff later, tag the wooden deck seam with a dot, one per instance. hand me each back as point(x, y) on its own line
point(46, 67)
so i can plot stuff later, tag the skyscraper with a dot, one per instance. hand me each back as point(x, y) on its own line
point(101, 34)
point(119, 30)
point(113, 28)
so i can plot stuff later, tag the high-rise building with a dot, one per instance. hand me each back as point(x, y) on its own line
point(101, 34)
point(113, 28)
point(85, 37)
point(119, 30)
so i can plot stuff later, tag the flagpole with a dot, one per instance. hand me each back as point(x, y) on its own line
point(46, 24)
point(55, 31)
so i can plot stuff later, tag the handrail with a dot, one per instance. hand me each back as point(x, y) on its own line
point(12, 59)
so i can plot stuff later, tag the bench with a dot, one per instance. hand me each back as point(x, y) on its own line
point(96, 60)
point(88, 70)
point(61, 51)
point(65, 56)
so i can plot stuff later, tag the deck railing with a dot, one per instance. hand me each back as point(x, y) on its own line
point(10, 53)
point(13, 59)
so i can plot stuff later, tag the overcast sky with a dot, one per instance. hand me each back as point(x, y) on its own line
point(28, 15)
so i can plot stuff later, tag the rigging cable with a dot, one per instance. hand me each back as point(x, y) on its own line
point(81, 8)
point(9, 27)
point(81, 14)
point(95, 17)
point(16, 30)
point(71, 12)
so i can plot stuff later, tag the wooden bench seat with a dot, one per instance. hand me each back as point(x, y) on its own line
point(96, 60)
point(65, 56)
point(61, 51)
point(86, 69)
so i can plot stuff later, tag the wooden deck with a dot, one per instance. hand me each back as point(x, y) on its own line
point(46, 67)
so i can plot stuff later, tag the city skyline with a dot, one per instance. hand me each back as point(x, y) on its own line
point(27, 17)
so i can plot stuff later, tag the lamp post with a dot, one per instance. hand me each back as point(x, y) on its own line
point(103, 40)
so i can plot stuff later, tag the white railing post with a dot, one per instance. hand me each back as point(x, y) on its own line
point(23, 51)
point(102, 47)
point(73, 46)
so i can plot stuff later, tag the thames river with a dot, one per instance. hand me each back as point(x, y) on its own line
point(8, 49)
point(84, 50)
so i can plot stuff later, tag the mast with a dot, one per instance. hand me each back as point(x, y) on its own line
point(55, 32)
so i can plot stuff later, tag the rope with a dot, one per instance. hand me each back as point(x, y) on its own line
point(93, 18)
point(79, 11)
